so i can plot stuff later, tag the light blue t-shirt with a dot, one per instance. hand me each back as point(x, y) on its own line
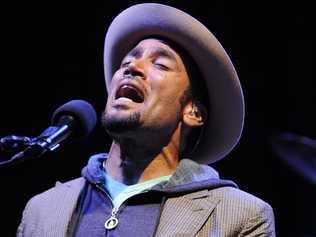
point(120, 192)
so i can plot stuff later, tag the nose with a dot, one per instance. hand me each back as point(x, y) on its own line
point(134, 69)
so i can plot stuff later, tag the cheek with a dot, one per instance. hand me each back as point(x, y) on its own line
point(170, 88)
point(114, 80)
point(166, 101)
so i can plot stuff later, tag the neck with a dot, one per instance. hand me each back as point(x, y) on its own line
point(130, 162)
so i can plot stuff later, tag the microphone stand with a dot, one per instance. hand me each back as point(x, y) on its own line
point(13, 143)
point(28, 148)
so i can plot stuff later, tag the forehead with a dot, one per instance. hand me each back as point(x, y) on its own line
point(154, 46)
point(152, 42)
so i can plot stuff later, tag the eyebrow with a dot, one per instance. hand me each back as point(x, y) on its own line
point(136, 52)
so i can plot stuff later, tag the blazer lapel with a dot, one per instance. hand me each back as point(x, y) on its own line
point(61, 206)
point(184, 216)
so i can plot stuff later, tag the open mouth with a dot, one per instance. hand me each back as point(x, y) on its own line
point(130, 92)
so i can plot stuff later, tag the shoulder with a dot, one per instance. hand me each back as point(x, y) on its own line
point(249, 212)
point(235, 195)
point(241, 201)
point(55, 204)
point(60, 191)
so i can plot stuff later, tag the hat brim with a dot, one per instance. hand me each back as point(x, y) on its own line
point(226, 113)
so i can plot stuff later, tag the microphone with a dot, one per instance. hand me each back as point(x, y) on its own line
point(74, 119)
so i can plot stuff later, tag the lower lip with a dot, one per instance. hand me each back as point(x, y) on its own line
point(124, 99)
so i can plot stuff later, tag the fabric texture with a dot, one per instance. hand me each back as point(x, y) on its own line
point(198, 203)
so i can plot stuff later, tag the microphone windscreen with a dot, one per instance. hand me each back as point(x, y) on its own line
point(83, 113)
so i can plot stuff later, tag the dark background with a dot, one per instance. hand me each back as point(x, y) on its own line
point(52, 52)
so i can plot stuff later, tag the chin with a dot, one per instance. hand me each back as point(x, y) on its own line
point(115, 124)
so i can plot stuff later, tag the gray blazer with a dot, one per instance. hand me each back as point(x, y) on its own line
point(220, 212)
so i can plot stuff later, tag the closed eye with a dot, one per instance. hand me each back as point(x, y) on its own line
point(162, 66)
point(125, 64)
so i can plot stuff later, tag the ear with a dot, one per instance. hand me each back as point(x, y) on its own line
point(192, 115)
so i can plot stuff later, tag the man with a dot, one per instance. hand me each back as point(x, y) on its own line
point(174, 101)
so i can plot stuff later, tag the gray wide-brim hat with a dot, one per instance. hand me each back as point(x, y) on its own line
point(226, 113)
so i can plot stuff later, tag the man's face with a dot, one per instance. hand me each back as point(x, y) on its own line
point(146, 90)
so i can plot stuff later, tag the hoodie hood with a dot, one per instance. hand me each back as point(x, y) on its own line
point(189, 176)
point(93, 171)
